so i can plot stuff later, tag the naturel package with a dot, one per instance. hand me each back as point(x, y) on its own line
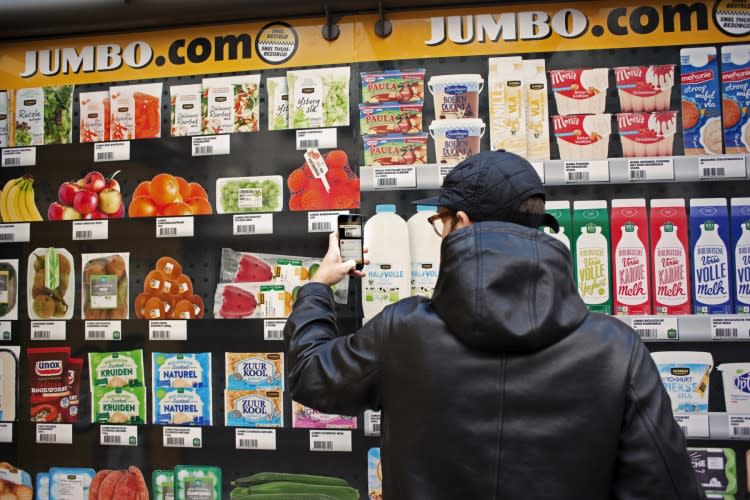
point(251, 300)
point(395, 150)
point(254, 370)
point(9, 289)
point(94, 116)
point(181, 370)
point(456, 140)
point(135, 111)
point(716, 469)
point(580, 91)
point(712, 263)
point(257, 408)
point(278, 103)
point(399, 86)
point(182, 406)
point(319, 97)
point(644, 88)
point(4, 121)
point(104, 286)
point(582, 137)
point(669, 255)
point(740, 251)
point(304, 417)
point(685, 376)
point(68, 483)
point(8, 385)
point(735, 102)
point(701, 105)
point(537, 110)
point(456, 96)
point(162, 484)
point(560, 210)
point(232, 104)
point(592, 261)
point(647, 134)
point(387, 119)
point(48, 383)
point(630, 258)
point(249, 194)
point(196, 482)
point(736, 378)
point(185, 107)
point(51, 284)
point(506, 88)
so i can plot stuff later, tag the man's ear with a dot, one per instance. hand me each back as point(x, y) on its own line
point(463, 218)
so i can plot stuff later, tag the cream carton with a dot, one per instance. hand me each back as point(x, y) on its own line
point(560, 210)
point(507, 105)
point(669, 244)
point(630, 260)
point(740, 249)
point(735, 103)
point(537, 110)
point(591, 230)
point(701, 107)
point(712, 270)
point(685, 376)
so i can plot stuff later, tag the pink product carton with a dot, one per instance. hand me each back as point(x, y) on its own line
point(701, 104)
point(583, 137)
point(630, 257)
point(670, 258)
point(580, 91)
point(647, 134)
point(644, 88)
point(307, 418)
point(735, 103)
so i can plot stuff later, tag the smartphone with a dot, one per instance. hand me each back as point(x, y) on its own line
point(350, 238)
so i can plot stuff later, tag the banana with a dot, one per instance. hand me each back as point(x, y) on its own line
point(14, 215)
point(21, 201)
point(4, 199)
point(31, 208)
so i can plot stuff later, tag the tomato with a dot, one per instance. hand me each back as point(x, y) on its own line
point(164, 188)
point(142, 189)
point(184, 187)
point(177, 208)
point(143, 206)
point(197, 190)
point(200, 205)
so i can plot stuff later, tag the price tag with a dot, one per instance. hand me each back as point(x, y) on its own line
point(54, 433)
point(730, 327)
point(175, 227)
point(372, 423)
point(6, 432)
point(656, 327)
point(90, 230)
point(104, 291)
point(112, 151)
point(539, 167)
point(183, 437)
point(5, 330)
point(250, 198)
point(19, 157)
point(255, 439)
point(721, 167)
point(323, 222)
point(167, 330)
point(273, 329)
point(118, 435)
point(395, 177)
point(330, 440)
point(103, 330)
point(319, 138)
point(48, 330)
point(15, 233)
point(586, 171)
point(252, 224)
point(210, 145)
point(694, 425)
point(651, 169)
point(443, 171)
point(739, 426)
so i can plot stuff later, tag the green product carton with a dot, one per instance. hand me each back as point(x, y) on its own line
point(592, 254)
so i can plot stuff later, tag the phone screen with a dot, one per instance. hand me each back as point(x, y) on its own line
point(350, 238)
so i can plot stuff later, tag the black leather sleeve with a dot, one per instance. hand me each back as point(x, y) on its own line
point(652, 461)
point(328, 372)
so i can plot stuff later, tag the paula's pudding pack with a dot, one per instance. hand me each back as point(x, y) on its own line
point(701, 105)
point(630, 257)
point(712, 268)
point(591, 229)
point(669, 244)
point(740, 232)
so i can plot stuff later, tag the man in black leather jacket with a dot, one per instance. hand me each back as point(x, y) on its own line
point(504, 385)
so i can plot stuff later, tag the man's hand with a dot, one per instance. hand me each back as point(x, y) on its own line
point(332, 269)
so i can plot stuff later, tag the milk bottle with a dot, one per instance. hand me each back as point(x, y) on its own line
point(630, 262)
point(560, 210)
point(740, 232)
point(671, 275)
point(709, 240)
point(424, 244)
point(591, 227)
point(388, 276)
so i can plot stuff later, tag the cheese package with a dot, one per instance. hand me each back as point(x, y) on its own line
point(181, 370)
point(304, 417)
point(580, 91)
point(182, 406)
point(253, 408)
point(685, 376)
point(116, 369)
point(583, 137)
point(715, 468)
point(67, 483)
point(118, 405)
point(254, 370)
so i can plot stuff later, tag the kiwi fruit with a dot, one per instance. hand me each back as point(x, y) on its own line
point(116, 265)
point(44, 306)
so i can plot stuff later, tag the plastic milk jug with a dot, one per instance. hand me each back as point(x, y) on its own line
point(388, 276)
point(709, 241)
point(740, 231)
point(560, 210)
point(669, 256)
point(591, 227)
point(630, 266)
point(425, 251)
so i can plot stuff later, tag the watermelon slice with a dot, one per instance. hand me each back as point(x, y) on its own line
point(237, 303)
point(253, 270)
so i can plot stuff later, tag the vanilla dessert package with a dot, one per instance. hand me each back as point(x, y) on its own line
point(701, 105)
point(507, 105)
point(537, 110)
point(735, 103)
point(583, 137)
point(647, 134)
point(644, 88)
point(580, 91)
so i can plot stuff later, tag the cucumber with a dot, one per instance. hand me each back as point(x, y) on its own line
point(270, 477)
point(338, 492)
point(287, 496)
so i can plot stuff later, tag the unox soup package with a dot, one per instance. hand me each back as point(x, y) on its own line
point(48, 383)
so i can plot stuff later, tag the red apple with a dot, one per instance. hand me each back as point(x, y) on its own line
point(86, 202)
point(94, 181)
point(67, 192)
point(70, 213)
point(100, 215)
point(81, 183)
point(55, 211)
point(110, 201)
point(120, 212)
point(111, 183)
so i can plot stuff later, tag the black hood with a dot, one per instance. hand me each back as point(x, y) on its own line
point(505, 287)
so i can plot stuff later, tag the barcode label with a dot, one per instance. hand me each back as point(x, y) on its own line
point(12, 162)
point(172, 441)
point(112, 151)
point(6, 432)
point(309, 143)
point(323, 445)
point(255, 439)
point(160, 335)
point(48, 330)
point(19, 157)
point(446, 169)
point(203, 150)
point(15, 232)
point(321, 226)
point(647, 333)
point(275, 335)
point(387, 182)
point(693, 425)
point(168, 231)
point(727, 333)
point(376, 428)
point(167, 330)
point(323, 222)
point(252, 224)
point(395, 177)
point(652, 169)
point(330, 440)
point(248, 443)
point(273, 329)
point(209, 145)
point(103, 330)
point(637, 175)
point(578, 176)
point(684, 430)
point(321, 138)
point(47, 438)
point(713, 172)
point(42, 335)
point(90, 229)
point(105, 156)
point(372, 423)
point(54, 434)
point(97, 334)
point(586, 171)
point(118, 435)
point(175, 227)
point(83, 235)
point(111, 439)
point(182, 437)
point(245, 229)
point(739, 427)
point(7, 237)
point(726, 166)
point(730, 327)
point(654, 327)
point(741, 431)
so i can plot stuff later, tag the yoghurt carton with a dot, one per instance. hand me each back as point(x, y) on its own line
point(712, 269)
point(644, 88)
point(580, 91)
point(308, 418)
point(740, 232)
point(701, 108)
point(630, 259)
point(735, 102)
point(685, 376)
point(254, 370)
point(736, 378)
point(560, 210)
point(456, 96)
point(647, 134)
point(582, 137)
point(253, 408)
point(456, 140)
point(669, 255)
point(591, 230)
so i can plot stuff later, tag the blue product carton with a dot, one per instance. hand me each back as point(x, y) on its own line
point(735, 92)
point(701, 104)
point(712, 264)
point(740, 232)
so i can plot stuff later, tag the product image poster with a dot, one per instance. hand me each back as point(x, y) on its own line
point(740, 232)
point(591, 230)
point(630, 261)
point(669, 254)
point(712, 264)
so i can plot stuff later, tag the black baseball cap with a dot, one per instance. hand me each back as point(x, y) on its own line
point(491, 185)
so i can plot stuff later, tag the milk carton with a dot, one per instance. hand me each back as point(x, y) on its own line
point(424, 245)
point(560, 210)
point(669, 244)
point(740, 249)
point(709, 242)
point(735, 90)
point(630, 262)
point(701, 105)
point(388, 275)
point(591, 230)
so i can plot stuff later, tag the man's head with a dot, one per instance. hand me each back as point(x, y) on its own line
point(492, 185)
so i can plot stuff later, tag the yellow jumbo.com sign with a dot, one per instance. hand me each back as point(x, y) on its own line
point(416, 35)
